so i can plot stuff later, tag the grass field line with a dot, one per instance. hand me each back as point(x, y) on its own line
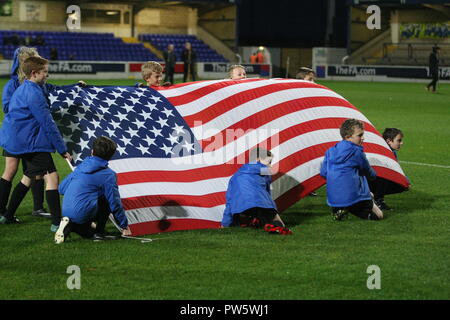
point(426, 164)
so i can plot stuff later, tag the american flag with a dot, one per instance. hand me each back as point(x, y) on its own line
point(179, 146)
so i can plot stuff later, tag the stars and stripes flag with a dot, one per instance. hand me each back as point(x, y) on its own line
point(179, 146)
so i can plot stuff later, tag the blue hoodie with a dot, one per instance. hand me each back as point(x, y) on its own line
point(346, 169)
point(12, 84)
point(82, 188)
point(28, 126)
point(248, 188)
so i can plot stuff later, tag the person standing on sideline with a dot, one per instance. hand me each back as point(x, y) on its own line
point(189, 59)
point(170, 60)
point(434, 69)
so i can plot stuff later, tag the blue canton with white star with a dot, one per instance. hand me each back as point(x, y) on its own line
point(141, 121)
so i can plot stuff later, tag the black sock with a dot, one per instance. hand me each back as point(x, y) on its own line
point(54, 205)
point(19, 192)
point(37, 188)
point(5, 190)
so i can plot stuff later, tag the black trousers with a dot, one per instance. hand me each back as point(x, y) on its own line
point(435, 78)
point(362, 209)
point(170, 70)
point(85, 230)
point(264, 216)
point(381, 187)
point(189, 68)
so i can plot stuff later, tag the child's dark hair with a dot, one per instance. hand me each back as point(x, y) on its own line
point(347, 127)
point(391, 133)
point(259, 153)
point(303, 72)
point(33, 64)
point(104, 148)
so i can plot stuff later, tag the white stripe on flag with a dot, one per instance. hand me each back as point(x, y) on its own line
point(174, 212)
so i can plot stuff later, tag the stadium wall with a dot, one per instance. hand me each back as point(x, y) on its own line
point(48, 16)
point(174, 20)
point(221, 23)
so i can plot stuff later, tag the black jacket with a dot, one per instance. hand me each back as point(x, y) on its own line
point(185, 56)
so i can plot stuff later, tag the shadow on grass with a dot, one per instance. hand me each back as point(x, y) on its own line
point(409, 201)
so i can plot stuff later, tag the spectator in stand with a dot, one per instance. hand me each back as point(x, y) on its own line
point(254, 58)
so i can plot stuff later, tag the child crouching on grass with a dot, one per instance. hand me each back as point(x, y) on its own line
point(90, 195)
point(248, 198)
point(346, 169)
point(380, 186)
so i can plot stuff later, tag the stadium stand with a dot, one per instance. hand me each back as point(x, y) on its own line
point(204, 52)
point(409, 54)
point(75, 46)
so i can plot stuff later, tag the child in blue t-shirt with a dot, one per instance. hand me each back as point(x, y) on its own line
point(346, 169)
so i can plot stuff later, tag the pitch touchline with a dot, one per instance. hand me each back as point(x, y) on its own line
point(426, 164)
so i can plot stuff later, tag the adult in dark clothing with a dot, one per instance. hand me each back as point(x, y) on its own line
point(53, 54)
point(189, 59)
point(434, 68)
point(170, 59)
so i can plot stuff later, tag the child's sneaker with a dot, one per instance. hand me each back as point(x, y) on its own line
point(339, 215)
point(5, 220)
point(61, 234)
point(54, 227)
point(41, 213)
point(382, 205)
point(273, 229)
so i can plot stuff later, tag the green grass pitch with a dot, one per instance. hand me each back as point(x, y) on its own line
point(321, 260)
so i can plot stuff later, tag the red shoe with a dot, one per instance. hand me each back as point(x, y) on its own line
point(255, 223)
point(270, 228)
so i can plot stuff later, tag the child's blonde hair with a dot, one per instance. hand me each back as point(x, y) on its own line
point(149, 67)
point(23, 54)
point(234, 66)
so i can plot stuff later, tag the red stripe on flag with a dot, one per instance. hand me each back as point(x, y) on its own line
point(169, 225)
point(201, 92)
point(237, 100)
point(294, 194)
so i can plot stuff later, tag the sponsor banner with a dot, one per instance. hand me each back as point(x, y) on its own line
point(70, 67)
point(369, 72)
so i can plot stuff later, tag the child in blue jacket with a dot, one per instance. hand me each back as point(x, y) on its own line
point(12, 160)
point(90, 195)
point(248, 198)
point(346, 169)
point(380, 186)
point(29, 131)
